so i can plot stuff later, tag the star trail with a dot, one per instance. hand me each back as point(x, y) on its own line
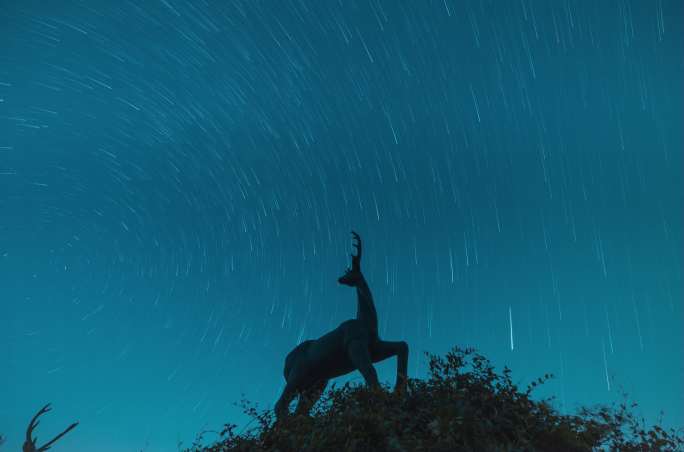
point(178, 181)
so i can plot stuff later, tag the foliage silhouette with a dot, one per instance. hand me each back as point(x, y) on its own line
point(463, 405)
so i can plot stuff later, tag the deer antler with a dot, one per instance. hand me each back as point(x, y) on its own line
point(356, 259)
point(30, 444)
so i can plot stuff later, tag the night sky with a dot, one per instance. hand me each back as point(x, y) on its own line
point(178, 183)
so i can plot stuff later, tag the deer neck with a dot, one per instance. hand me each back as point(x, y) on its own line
point(365, 308)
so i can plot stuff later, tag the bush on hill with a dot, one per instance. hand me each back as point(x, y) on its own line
point(462, 406)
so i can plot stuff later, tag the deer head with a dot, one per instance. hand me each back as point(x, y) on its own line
point(353, 274)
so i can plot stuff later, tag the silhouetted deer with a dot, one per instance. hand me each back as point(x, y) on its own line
point(354, 344)
point(30, 444)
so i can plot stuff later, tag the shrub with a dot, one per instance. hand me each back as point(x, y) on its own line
point(463, 405)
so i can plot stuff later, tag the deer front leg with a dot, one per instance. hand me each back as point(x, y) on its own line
point(359, 355)
point(382, 350)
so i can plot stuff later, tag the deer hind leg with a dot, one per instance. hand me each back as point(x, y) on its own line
point(361, 359)
point(309, 397)
point(381, 350)
point(282, 407)
point(294, 373)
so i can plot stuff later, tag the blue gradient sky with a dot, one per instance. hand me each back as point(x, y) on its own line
point(178, 181)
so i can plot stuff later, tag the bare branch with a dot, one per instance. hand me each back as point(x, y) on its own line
point(30, 443)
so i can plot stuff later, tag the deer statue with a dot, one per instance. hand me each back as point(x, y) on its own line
point(353, 345)
point(30, 444)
